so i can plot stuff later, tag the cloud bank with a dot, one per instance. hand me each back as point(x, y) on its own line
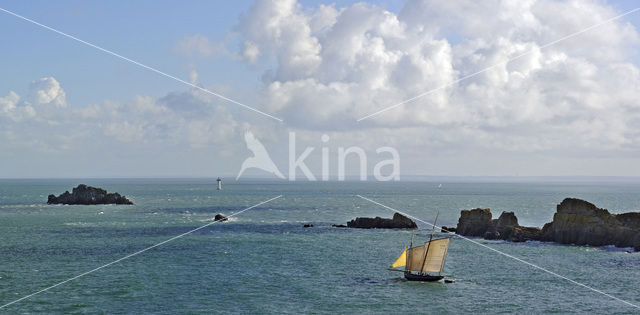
point(190, 118)
point(335, 65)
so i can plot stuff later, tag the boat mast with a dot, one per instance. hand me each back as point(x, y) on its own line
point(426, 253)
point(406, 266)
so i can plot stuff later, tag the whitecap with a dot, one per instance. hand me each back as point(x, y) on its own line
point(78, 224)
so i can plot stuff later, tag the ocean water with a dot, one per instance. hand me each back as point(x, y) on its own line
point(264, 261)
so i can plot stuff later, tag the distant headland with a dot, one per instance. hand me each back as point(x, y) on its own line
point(87, 195)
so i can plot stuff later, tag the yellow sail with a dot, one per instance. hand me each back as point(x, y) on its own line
point(401, 261)
point(434, 262)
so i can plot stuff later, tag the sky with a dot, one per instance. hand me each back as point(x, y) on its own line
point(571, 108)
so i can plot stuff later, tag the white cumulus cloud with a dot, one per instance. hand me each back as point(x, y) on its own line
point(47, 91)
point(336, 65)
point(9, 102)
point(12, 110)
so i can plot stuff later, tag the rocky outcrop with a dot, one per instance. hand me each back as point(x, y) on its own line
point(220, 217)
point(575, 222)
point(87, 195)
point(397, 222)
point(582, 223)
point(479, 222)
point(506, 227)
point(474, 222)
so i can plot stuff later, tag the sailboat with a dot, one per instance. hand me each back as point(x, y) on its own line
point(424, 262)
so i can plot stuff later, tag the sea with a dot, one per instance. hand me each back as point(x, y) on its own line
point(69, 259)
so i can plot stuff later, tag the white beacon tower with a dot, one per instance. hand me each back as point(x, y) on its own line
point(219, 183)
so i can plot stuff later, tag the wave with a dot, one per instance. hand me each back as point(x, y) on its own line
point(22, 205)
point(82, 224)
point(231, 219)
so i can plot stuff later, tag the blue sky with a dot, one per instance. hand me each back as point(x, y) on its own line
point(142, 30)
point(514, 127)
point(145, 31)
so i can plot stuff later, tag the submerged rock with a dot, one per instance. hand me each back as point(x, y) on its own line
point(397, 222)
point(446, 229)
point(575, 222)
point(87, 195)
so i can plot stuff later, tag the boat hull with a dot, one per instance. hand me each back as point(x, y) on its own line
point(414, 277)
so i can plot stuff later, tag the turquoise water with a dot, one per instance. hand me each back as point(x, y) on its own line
point(264, 261)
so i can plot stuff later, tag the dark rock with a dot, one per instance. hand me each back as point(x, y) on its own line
point(507, 220)
point(575, 222)
point(474, 222)
point(220, 217)
point(87, 195)
point(339, 225)
point(446, 229)
point(398, 222)
point(478, 222)
point(508, 229)
point(308, 225)
point(525, 233)
point(582, 223)
point(492, 234)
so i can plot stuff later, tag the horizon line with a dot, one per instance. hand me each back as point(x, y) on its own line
point(353, 177)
